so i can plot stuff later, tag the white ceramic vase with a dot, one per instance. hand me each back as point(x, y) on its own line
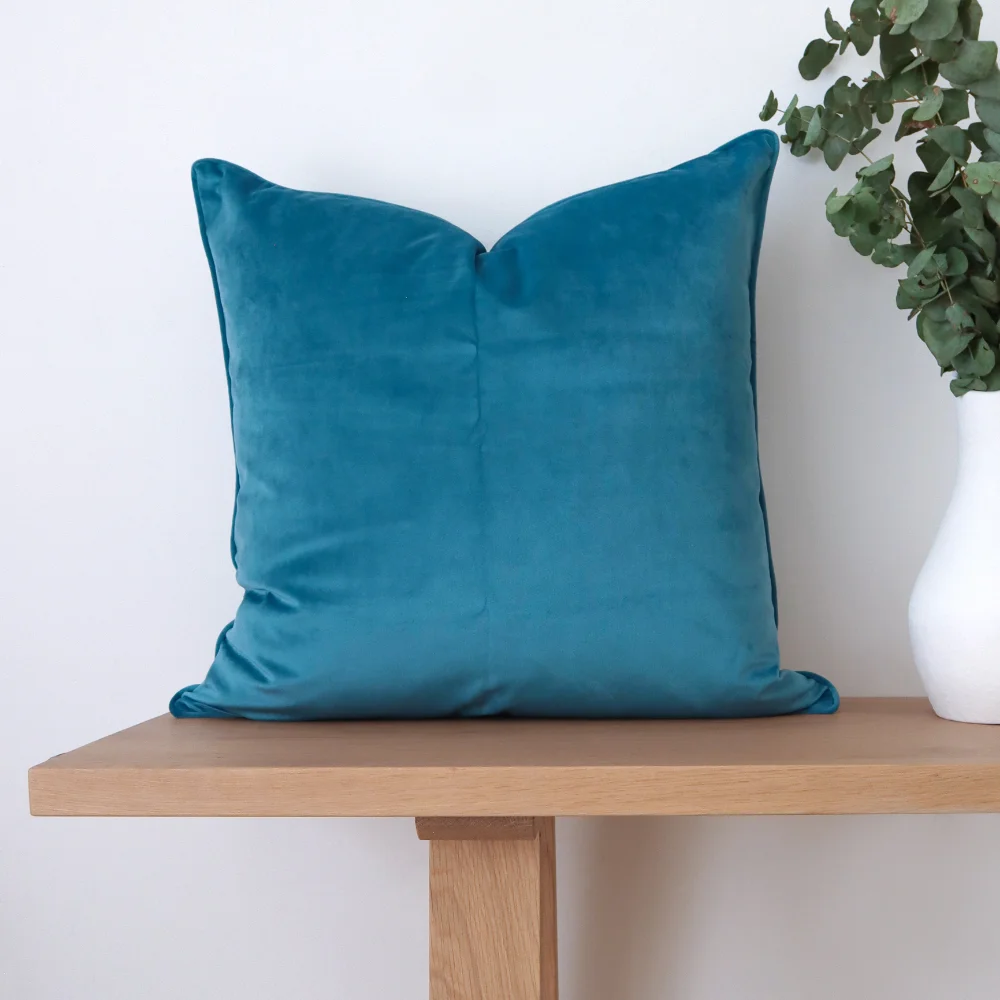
point(955, 607)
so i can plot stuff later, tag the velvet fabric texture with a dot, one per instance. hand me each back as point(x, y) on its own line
point(519, 481)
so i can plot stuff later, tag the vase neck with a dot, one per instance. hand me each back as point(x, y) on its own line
point(979, 435)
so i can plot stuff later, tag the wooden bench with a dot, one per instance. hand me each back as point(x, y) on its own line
point(485, 794)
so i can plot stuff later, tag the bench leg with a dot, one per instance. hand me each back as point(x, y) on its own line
point(492, 908)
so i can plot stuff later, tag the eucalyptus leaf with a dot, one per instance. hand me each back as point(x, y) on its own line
point(936, 21)
point(930, 105)
point(988, 86)
point(988, 110)
point(976, 132)
point(866, 14)
point(843, 94)
point(905, 300)
point(835, 149)
point(971, 207)
point(985, 288)
point(818, 55)
point(797, 147)
point(843, 221)
point(957, 262)
point(888, 254)
point(985, 358)
point(932, 156)
point(941, 50)
point(982, 177)
point(881, 184)
point(958, 318)
point(836, 202)
point(925, 219)
point(833, 29)
point(975, 61)
point(978, 308)
point(904, 11)
point(864, 241)
point(815, 128)
point(861, 37)
point(922, 292)
point(870, 136)
point(917, 265)
point(906, 124)
point(952, 139)
point(986, 242)
point(977, 359)
point(908, 85)
point(955, 35)
point(876, 90)
point(955, 107)
point(919, 61)
point(960, 386)
point(944, 176)
point(866, 209)
point(790, 110)
point(895, 52)
point(944, 341)
point(992, 139)
point(848, 126)
point(877, 167)
point(971, 13)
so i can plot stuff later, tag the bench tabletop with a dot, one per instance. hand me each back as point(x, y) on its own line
point(877, 755)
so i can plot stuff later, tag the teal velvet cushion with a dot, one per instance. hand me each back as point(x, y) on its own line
point(519, 481)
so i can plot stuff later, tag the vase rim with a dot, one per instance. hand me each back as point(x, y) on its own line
point(983, 398)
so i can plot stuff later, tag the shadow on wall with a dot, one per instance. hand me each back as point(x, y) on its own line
point(626, 914)
point(857, 435)
point(783, 908)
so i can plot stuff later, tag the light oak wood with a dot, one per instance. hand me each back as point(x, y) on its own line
point(889, 755)
point(549, 935)
point(477, 828)
point(492, 911)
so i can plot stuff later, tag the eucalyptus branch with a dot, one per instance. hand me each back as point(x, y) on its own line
point(951, 213)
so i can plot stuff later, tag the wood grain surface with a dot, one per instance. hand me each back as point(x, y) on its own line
point(882, 755)
point(492, 912)
point(477, 828)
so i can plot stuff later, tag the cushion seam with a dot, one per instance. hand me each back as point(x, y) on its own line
point(485, 546)
point(203, 228)
point(765, 188)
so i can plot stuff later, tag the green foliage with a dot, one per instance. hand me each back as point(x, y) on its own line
point(973, 61)
point(945, 225)
point(818, 56)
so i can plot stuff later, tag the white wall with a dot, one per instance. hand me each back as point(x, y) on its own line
point(117, 484)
